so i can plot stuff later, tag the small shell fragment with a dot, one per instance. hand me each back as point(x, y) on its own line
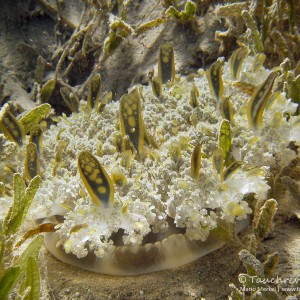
point(96, 180)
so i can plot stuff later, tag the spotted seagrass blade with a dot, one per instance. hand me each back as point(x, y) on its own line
point(259, 100)
point(10, 126)
point(166, 64)
point(32, 161)
point(131, 121)
point(96, 180)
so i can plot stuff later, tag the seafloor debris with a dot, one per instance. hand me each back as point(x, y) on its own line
point(140, 185)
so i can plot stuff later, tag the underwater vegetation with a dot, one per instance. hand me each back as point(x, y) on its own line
point(19, 269)
point(271, 27)
point(167, 173)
